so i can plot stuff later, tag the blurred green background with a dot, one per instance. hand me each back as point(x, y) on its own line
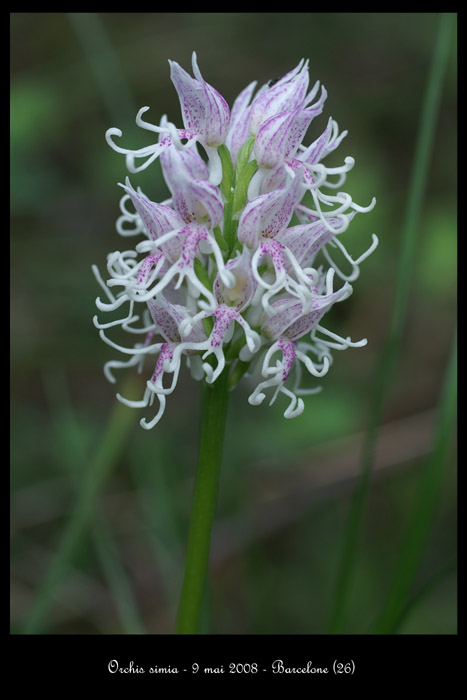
point(286, 485)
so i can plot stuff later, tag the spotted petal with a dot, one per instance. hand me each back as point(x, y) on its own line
point(289, 319)
point(194, 198)
point(285, 95)
point(269, 214)
point(204, 110)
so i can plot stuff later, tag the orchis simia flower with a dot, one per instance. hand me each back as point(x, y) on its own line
point(236, 269)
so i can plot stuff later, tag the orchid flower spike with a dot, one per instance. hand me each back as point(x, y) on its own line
point(234, 270)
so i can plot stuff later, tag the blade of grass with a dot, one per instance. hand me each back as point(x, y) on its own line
point(104, 64)
point(163, 527)
point(70, 439)
point(425, 506)
point(100, 466)
point(423, 592)
point(423, 151)
point(117, 579)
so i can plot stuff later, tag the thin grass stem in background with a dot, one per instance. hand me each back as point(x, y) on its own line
point(70, 441)
point(104, 64)
point(419, 596)
point(100, 467)
point(384, 376)
point(422, 513)
point(114, 571)
point(162, 527)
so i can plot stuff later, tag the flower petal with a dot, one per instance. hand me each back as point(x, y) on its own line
point(195, 199)
point(287, 94)
point(238, 130)
point(204, 110)
point(269, 214)
point(244, 287)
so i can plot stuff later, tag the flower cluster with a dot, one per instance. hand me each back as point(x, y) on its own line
point(235, 270)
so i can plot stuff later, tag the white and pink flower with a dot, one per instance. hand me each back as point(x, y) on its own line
point(234, 271)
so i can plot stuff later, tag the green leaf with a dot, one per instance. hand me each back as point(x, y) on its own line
point(227, 171)
point(202, 274)
point(221, 242)
point(241, 188)
point(244, 154)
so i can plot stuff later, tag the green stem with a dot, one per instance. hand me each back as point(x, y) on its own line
point(404, 277)
point(214, 414)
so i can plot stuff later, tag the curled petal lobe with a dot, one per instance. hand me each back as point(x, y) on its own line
point(291, 320)
point(324, 144)
point(169, 136)
point(168, 317)
point(306, 240)
point(157, 218)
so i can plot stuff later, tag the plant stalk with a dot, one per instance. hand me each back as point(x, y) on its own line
point(214, 413)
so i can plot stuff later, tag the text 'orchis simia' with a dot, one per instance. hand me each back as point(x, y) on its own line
point(237, 268)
